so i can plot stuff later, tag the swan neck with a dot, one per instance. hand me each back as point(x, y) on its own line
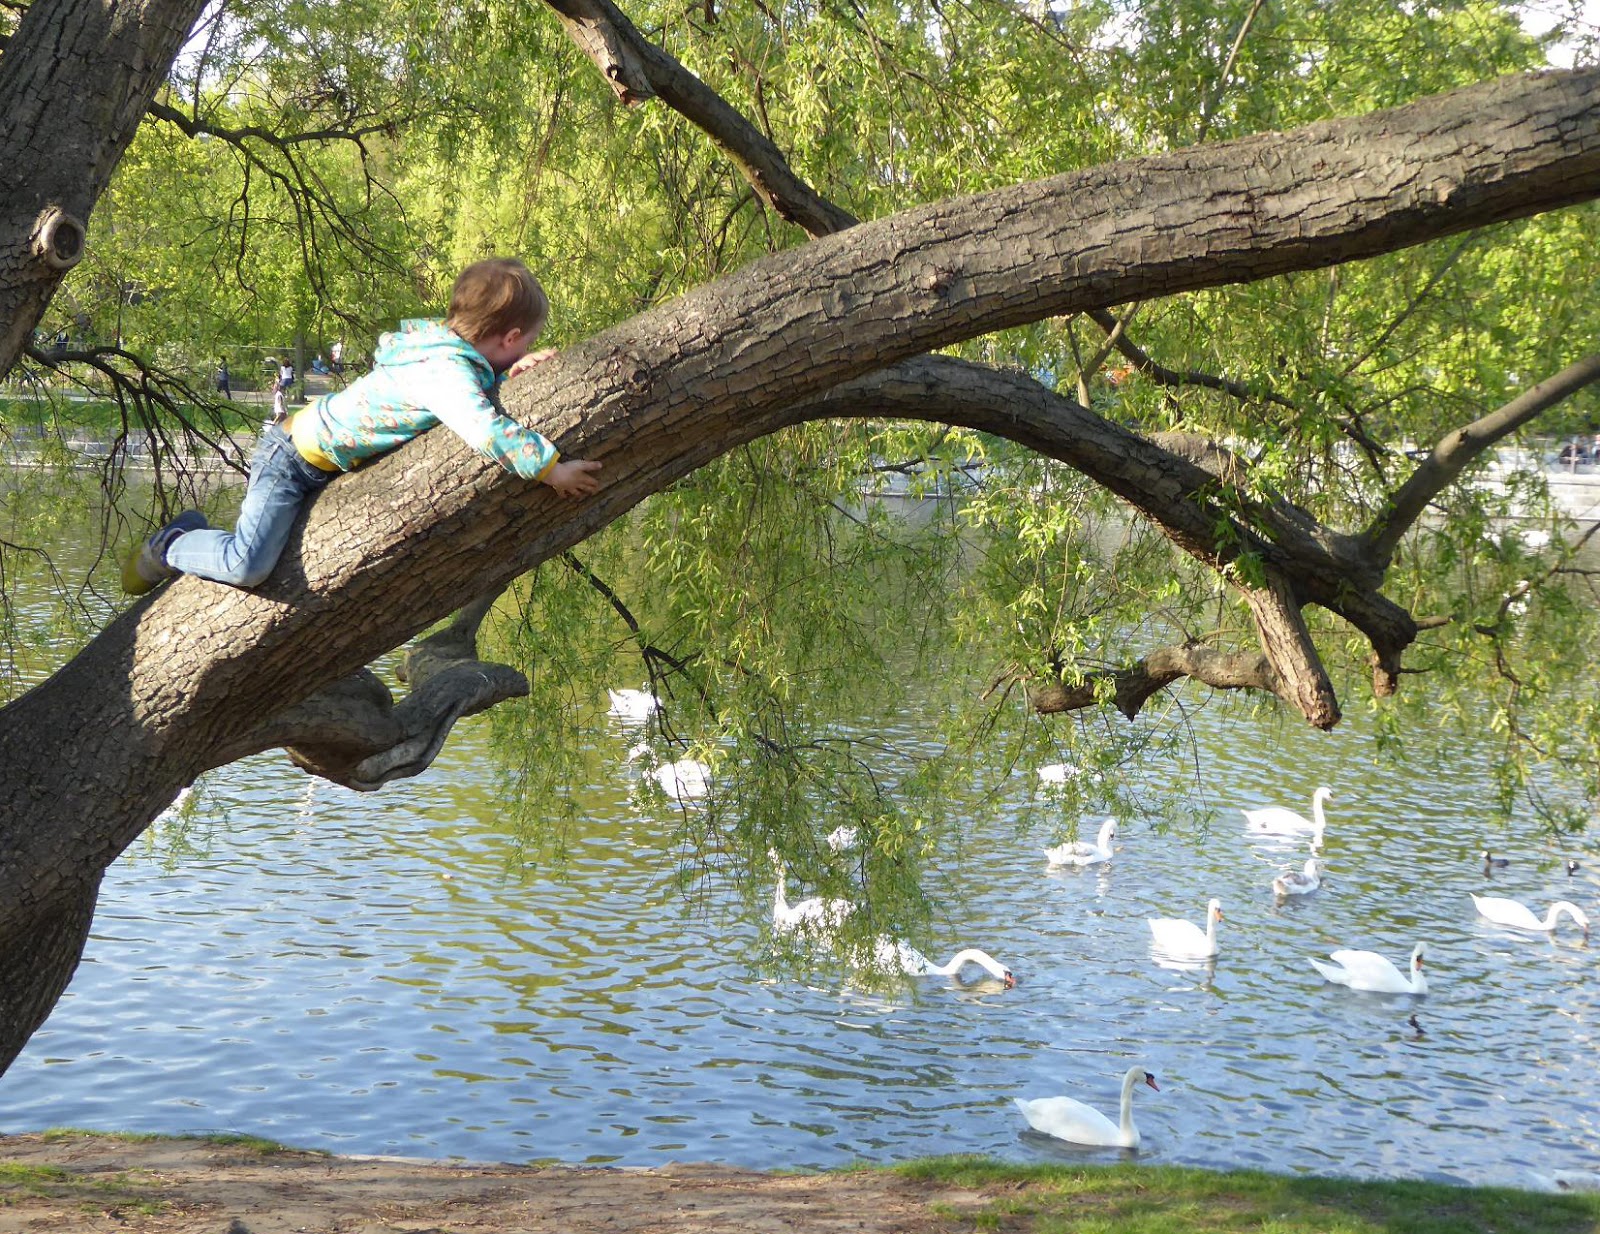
point(1128, 1081)
point(985, 961)
point(1571, 910)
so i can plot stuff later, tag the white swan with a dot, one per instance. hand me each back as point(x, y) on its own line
point(1277, 821)
point(1520, 917)
point(1081, 852)
point(897, 954)
point(1299, 882)
point(1367, 970)
point(843, 837)
point(1177, 937)
point(635, 706)
point(1077, 1123)
point(1057, 773)
point(686, 779)
point(812, 915)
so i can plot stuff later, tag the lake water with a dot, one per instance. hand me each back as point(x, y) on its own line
point(381, 974)
point(364, 974)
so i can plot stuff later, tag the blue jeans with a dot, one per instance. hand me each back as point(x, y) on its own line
point(281, 481)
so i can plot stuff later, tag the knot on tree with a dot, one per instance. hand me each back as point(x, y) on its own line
point(355, 734)
point(59, 239)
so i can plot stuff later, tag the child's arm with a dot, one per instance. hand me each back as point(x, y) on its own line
point(572, 478)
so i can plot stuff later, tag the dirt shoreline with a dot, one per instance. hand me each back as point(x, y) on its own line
point(95, 1185)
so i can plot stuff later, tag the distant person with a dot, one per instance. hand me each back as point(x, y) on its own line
point(428, 373)
point(336, 357)
point(280, 392)
point(224, 380)
point(319, 365)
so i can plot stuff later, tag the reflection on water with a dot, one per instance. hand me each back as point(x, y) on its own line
point(361, 974)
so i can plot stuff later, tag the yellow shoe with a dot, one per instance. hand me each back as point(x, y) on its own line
point(146, 568)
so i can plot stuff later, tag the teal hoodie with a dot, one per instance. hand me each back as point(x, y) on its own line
point(424, 374)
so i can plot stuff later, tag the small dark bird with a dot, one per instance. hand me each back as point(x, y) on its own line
point(1491, 862)
point(1417, 1025)
point(1572, 866)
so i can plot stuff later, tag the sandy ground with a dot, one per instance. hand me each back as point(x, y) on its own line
point(199, 1187)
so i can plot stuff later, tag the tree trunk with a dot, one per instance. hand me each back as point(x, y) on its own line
point(76, 78)
point(182, 679)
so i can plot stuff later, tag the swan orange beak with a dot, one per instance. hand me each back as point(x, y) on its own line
point(1011, 981)
point(1151, 1081)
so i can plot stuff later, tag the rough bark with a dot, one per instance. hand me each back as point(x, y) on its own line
point(184, 676)
point(75, 81)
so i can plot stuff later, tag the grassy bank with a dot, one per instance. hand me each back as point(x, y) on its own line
point(1134, 1199)
point(167, 1185)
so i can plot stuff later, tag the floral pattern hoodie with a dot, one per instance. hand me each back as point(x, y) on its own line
point(423, 374)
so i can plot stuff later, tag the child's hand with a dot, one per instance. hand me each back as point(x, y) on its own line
point(529, 360)
point(574, 478)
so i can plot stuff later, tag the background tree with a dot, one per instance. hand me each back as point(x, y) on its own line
point(1091, 325)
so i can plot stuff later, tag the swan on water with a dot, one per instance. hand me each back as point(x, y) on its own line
point(1277, 821)
point(1520, 917)
point(894, 953)
point(636, 706)
point(1077, 1123)
point(811, 915)
point(1057, 773)
point(686, 779)
point(1083, 853)
point(1367, 970)
point(1177, 937)
point(1299, 882)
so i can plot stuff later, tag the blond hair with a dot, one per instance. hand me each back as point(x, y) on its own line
point(494, 296)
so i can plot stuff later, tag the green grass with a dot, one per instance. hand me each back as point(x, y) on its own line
point(263, 1146)
point(122, 1192)
point(1168, 1200)
point(63, 1186)
point(100, 418)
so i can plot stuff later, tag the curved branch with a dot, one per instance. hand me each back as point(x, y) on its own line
point(638, 69)
point(315, 207)
point(1116, 336)
point(193, 126)
point(1461, 446)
